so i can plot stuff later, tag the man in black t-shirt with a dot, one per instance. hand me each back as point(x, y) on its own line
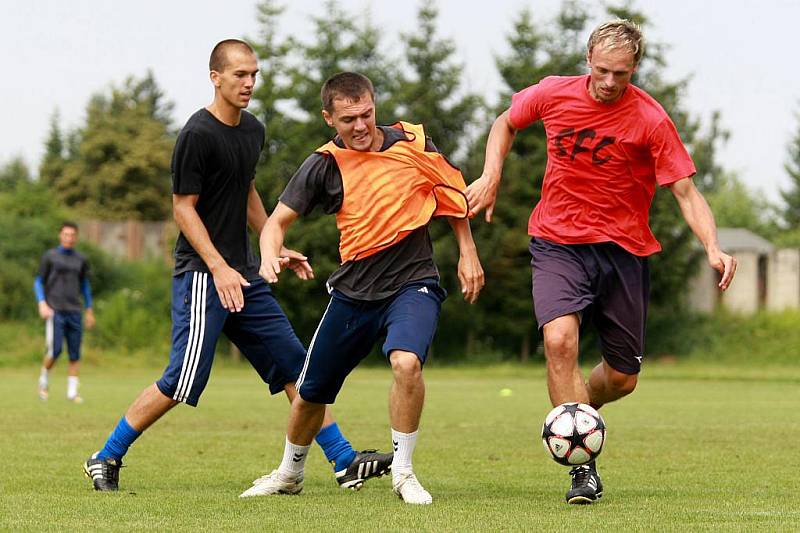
point(62, 279)
point(384, 184)
point(216, 286)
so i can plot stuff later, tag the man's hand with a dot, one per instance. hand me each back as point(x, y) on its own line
point(270, 267)
point(229, 285)
point(45, 311)
point(298, 263)
point(724, 264)
point(89, 318)
point(482, 194)
point(470, 274)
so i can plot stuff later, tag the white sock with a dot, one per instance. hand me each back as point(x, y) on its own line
point(294, 460)
point(43, 378)
point(404, 444)
point(72, 386)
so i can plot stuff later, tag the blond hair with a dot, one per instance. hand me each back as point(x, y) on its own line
point(616, 34)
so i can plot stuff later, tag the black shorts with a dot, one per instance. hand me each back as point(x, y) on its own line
point(602, 280)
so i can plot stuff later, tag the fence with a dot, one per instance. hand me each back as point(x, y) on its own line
point(131, 239)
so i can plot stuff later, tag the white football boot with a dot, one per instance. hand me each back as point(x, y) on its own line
point(272, 483)
point(408, 489)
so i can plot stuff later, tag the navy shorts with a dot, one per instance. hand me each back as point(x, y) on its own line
point(64, 325)
point(350, 328)
point(260, 330)
point(601, 280)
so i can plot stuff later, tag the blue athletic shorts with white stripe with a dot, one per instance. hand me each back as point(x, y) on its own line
point(350, 328)
point(260, 330)
point(64, 324)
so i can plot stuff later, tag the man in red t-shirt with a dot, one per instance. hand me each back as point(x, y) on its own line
point(609, 144)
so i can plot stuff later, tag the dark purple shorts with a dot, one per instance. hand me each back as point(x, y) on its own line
point(600, 280)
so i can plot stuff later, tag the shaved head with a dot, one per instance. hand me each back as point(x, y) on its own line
point(219, 55)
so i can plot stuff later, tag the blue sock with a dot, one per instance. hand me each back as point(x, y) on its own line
point(337, 448)
point(119, 441)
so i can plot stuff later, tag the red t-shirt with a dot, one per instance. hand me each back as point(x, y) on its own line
point(603, 162)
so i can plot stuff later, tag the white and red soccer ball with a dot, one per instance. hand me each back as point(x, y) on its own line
point(573, 434)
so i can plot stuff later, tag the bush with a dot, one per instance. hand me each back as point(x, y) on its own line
point(29, 222)
point(135, 312)
point(766, 338)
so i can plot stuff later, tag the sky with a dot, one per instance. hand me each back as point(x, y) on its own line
point(740, 55)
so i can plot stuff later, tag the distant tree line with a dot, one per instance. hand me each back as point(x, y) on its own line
point(116, 165)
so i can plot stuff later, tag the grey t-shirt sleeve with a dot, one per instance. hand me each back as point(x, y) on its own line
point(317, 182)
point(429, 146)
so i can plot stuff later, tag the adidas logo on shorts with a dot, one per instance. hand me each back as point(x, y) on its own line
point(423, 290)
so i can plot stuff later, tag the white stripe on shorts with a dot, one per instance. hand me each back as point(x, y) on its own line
point(48, 336)
point(194, 343)
point(311, 347)
point(201, 336)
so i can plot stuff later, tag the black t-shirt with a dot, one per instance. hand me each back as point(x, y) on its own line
point(318, 182)
point(62, 272)
point(218, 162)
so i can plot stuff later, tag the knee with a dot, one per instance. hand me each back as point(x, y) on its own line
point(560, 343)
point(623, 384)
point(405, 366)
point(299, 404)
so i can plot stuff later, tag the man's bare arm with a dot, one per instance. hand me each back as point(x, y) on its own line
point(482, 193)
point(700, 219)
point(226, 279)
point(271, 242)
point(470, 272)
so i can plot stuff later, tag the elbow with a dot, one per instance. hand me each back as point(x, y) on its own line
point(178, 214)
point(504, 121)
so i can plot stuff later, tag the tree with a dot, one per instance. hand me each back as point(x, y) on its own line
point(278, 159)
point(29, 220)
point(117, 165)
point(292, 72)
point(735, 206)
point(13, 174)
point(52, 166)
point(791, 196)
point(429, 95)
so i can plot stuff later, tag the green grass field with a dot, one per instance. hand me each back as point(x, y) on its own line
point(696, 448)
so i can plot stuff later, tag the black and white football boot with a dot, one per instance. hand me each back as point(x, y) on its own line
point(586, 485)
point(104, 473)
point(367, 464)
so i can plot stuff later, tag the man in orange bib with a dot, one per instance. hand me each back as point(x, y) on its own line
point(384, 184)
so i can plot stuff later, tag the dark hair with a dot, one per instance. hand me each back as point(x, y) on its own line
point(219, 55)
point(68, 224)
point(348, 85)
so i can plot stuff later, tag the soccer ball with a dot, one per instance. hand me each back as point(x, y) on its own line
point(573, 434)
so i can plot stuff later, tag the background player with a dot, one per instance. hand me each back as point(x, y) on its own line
point(62, 279)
